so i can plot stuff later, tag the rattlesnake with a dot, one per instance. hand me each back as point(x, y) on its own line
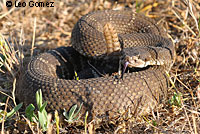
point(139, 90)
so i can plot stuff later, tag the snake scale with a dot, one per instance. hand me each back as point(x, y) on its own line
point(139, 90)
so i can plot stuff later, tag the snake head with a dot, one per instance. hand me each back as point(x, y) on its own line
point(139, 57)
point(134, 61)
point(131, 62)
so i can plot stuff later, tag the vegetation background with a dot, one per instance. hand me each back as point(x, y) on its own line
point(29, 31)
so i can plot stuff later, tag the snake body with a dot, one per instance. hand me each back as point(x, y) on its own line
point(139, 90)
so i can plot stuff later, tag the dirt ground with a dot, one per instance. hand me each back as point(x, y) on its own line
point(31, 30)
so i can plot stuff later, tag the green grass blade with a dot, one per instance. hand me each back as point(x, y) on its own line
point(71, 111)
point(78, 110)
point(43, 107)
point(14, 110)
point(42, 120)
point(57, 121)
point(39, 98)
point(29, 112)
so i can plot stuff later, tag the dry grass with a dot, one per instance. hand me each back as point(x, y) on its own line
point(35, 30)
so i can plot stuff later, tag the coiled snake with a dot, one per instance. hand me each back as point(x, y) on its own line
point(139, 42)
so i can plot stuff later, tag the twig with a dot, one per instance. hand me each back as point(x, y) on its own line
point(95, 69)
point(59, 28)
point(13, 92)
point(33, 41)
point(183, 22)
point(5, 14)
point(2, 92)
point(29, 124)
point(194, 124)
point(189, 4)
point(4, 116)
point(190, 126)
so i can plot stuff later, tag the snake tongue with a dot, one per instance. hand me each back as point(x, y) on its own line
point(124, 69)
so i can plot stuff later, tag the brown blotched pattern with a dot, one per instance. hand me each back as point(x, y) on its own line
point(139, 90)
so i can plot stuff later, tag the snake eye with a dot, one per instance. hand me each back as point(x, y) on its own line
point(128, 58)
